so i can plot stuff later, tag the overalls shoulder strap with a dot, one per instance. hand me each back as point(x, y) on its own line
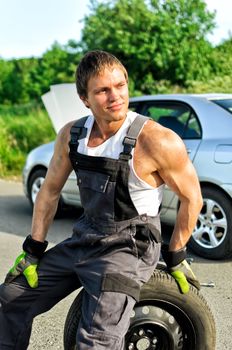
point(129, 141)
point(78, 131)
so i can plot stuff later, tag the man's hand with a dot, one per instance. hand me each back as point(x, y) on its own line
point(184, 274)
point(27, 262)
point(179, 268)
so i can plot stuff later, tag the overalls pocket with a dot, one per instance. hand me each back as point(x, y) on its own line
point(142, 239)
point(93, 181)
point(97, 193)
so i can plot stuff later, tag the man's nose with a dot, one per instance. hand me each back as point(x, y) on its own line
point(113, 95)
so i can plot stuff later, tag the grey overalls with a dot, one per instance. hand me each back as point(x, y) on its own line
point(112, 252)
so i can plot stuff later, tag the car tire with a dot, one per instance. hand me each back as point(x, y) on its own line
point(212, 236)
point(162, 319)
point(34, 184)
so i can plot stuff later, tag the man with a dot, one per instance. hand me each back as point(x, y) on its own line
point(122, 162)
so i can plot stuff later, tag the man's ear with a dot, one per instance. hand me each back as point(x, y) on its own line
point(85, 101)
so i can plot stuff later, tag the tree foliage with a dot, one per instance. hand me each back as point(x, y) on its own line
point(26, 79)
point(163, 44)
point(155, 39)
point(223, 58)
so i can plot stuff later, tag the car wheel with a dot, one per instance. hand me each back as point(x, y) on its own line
point(35, 182)
point(163, 319)
point(212, 236)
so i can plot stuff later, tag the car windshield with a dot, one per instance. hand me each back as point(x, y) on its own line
point(226, 104)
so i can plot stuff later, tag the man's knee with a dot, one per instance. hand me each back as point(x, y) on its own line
point(113, 313)
point(106, 312)
point(11, 292)
point(106, 319)
point(116, 301)
point(5, 295)
point(110, 322)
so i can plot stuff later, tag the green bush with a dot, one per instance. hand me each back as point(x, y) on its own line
point(21, 129)
point(220, 84)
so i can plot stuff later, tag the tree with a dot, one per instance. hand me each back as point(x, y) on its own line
point(155, 39)
point(26, 79)
point(6, 68)
point(15, 80)
point(57, 65)
point(223, 58)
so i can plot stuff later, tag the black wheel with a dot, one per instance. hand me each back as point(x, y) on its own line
point(212, 236)
point(164, 319)
point(34, 184)
point(72, 322)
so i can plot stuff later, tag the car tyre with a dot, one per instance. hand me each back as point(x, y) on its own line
point(163, 319)
point(34, 184)
point(212, 236)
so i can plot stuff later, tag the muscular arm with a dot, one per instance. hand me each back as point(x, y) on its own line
point(171, 162)
point(181, 177)
point(47, 199)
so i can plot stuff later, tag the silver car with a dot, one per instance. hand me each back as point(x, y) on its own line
point(204, 122)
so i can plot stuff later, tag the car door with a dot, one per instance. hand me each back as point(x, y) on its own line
point(181, 118)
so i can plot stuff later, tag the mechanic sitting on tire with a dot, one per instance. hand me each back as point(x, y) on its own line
point(122, 161)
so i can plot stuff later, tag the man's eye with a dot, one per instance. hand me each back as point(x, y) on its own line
point(121, 85)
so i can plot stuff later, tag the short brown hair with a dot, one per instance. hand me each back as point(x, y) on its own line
point(92, 64)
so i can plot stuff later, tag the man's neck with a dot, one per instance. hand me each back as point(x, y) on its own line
point(103, 130)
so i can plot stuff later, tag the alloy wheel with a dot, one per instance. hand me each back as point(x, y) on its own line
point(211, 227)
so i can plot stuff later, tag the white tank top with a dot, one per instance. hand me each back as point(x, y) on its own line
point(145, 197)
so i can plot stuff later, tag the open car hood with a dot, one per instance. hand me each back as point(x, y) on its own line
point(63, 105)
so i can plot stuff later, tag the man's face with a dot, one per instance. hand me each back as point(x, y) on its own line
point(108, 95)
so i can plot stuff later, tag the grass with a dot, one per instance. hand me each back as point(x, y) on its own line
point(22, 128)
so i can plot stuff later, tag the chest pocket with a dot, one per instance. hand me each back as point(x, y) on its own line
point(94, 181)
point(97, 194)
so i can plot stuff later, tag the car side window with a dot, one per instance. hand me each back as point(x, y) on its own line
point(176, 116)
point(135, 107)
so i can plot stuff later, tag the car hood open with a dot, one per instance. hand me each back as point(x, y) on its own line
point(63, 105)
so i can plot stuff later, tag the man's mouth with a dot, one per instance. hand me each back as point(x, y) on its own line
point(115, 107)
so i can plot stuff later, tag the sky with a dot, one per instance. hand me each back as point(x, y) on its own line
point(29, 27)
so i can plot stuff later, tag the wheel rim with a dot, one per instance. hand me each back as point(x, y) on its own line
point(211, 227)
point(36, 187)
point(157, 327)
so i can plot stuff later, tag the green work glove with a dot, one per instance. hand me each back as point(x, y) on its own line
point(179, 268)
point(27, 262)
point(184, 275)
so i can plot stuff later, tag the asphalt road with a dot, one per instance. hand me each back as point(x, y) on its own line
point(15, 221)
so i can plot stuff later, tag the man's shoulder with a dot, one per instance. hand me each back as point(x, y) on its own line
point(154, 136)
point(84, 121)
point(152, 127)
point(80, 122)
